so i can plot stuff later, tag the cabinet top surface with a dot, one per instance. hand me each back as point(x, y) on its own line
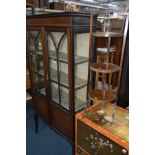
point(61, 14)
point(120, 126)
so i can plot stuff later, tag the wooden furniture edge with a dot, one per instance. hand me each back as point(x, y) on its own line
point(101, 130)
point(82, 150)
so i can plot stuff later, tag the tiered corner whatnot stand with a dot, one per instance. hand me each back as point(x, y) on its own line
point(106, 94)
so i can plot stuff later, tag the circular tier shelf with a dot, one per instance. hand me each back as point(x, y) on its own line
point(101, 96)
point(105, 50)
point(107, 34)
point(104, 67)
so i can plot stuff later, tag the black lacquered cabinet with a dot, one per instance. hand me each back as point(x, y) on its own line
point(58, 52)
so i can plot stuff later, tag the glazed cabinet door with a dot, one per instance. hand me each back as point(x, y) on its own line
point(58, 68)
point(35, 53)
point(63, 59)
point(58, 79)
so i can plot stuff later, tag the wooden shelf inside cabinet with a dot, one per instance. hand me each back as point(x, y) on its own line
point(101, 95)
point(63, 57)
point(107, 34)
point(104, 67)
point(79, 83)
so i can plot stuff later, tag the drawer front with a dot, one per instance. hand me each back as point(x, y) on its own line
point(95, 143)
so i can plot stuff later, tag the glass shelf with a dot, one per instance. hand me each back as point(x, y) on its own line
point(79, 83)
point(101, 96)
point(63, 57)
point(79, 104)
point(104, 67)
point(108, 34)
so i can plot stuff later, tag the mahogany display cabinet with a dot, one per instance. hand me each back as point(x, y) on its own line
point(58, 52)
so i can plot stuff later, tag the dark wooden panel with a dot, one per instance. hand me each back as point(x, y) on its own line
point(60, 120)
point(54, 21)
point(70, 45)
point(41, 106)
point(82, 29)
point(82, 21)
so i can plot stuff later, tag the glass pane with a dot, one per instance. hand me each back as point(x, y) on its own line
point(55, 92)
point(80, 98)
point(64, 93)
point(58, 58)
point(63, 73)
point(36, 58)
point(81, 69)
